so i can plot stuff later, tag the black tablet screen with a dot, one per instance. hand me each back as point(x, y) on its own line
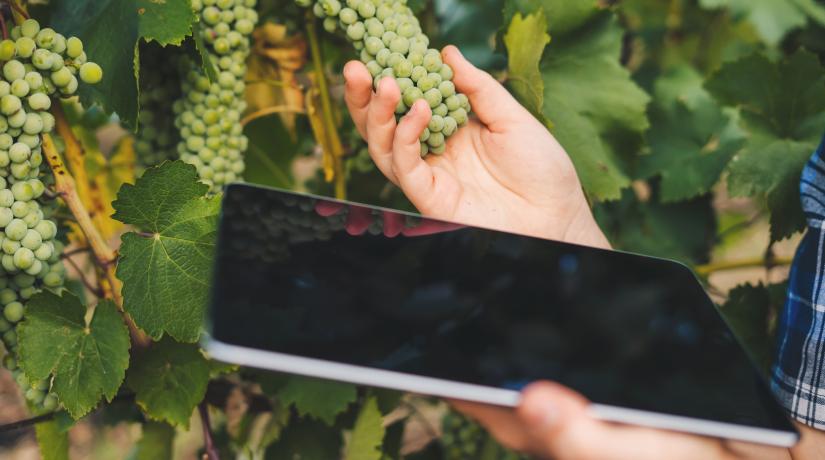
point(476, 306)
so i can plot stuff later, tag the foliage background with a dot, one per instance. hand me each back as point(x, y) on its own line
point(689, 122)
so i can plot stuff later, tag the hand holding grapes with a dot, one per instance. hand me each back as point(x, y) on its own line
point(503, 171)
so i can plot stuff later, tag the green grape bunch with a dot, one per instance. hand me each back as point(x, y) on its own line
point(391, 44)
point(36, 65)
point(208, 116)
point(157, 138)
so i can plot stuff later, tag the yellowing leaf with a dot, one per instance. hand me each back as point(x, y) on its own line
point(526, 39)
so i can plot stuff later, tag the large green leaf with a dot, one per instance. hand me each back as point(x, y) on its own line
point(598, 113)
point(167, 22)
point(271, 153)
point(526, 39)
point(563, 15)
point(169, 380)
point(165, 266)
point(367, 434)
point(684, 231)
point(772, 18)
point(88, 360)
point(691, 138)
point(109, 30)
point(783, 112)
point(320, 399)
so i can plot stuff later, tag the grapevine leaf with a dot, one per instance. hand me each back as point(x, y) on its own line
point(684, 231)
point(306, 439)
point(526, 40)
point(88, 360)
point(156, 442)
point(271, 152)
point(598, 113)
point(169, 380)
point(772, 19)
point(748, 311)
point(782, 110)
point(691, 139)
point(319, 399)
point(563, 15)
point(367, 434)
point(167, 22)
point(53, 442)
point(109, 30)
point(165, 268)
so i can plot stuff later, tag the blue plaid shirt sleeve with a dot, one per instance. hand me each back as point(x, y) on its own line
point(798, 375)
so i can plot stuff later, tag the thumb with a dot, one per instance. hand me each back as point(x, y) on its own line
point(491, 102)
point(549, 411)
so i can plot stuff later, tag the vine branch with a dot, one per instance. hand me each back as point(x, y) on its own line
point(208, 442)
point(105, 257)
point(709, 269)
point(333, 141)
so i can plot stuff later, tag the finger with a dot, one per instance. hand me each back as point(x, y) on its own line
point(560, 427)
point(359, 220)
point(358, 92)
point(491, 102)
point(328, 208)
point(381, 125)
point(414, 175)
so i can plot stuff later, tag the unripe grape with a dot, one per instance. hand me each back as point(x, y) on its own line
point(25, 47)
point(91, 73)
point(13, 312)
point(30, 28)
point(14, 70)
point(16, 230)
point(74, 47)
point(7, 50)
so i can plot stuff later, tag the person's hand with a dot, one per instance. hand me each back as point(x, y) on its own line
point(503, 171)
point(553, 422)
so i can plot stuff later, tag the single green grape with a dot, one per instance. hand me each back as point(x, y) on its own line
point(91, 73)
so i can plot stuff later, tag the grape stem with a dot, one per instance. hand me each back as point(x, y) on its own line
point(209, 443)
point(333, 142)
point(761, 262)
point(18, 9)
point(3, 25)
point(269, 111)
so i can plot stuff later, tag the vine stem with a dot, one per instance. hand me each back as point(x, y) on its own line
point(208, 442)
point(3, 25)
point(105, 257)
point(326, 106)
point(709, 269)
point(19, 10)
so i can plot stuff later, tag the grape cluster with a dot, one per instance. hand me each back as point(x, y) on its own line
point(209, 114)
point(37, 64)
point(157, 138)
point(391, 44)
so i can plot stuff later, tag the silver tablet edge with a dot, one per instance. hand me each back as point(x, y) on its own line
point(310, 367)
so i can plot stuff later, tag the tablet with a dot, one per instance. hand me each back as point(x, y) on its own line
point(360, 294)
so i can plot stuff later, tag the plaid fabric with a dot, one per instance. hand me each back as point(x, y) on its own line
point(799, 372)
